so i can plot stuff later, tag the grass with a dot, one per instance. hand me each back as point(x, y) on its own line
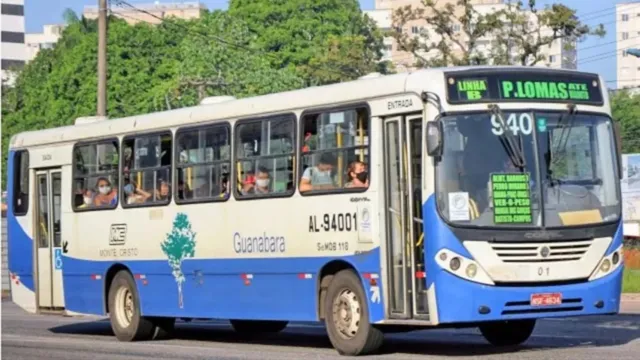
point(631, 281)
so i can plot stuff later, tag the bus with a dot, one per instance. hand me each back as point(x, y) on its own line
point(459, 197)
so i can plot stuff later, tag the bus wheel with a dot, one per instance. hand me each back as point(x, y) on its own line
point(124, 310)
point(258, 326)
point(507, 333)
point(347, 317)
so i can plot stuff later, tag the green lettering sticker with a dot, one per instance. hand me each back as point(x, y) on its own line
point(472, 89)
point(512, 197)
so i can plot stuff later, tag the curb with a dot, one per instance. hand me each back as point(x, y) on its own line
point(630, 297)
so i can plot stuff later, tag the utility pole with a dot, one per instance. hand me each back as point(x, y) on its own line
point(102, 58)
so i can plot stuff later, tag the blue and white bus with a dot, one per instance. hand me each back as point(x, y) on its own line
point(456, 197)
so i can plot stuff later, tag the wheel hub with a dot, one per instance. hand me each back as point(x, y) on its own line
point(124, 308)
point(346, 313)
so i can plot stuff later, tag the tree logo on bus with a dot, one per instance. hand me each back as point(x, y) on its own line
point(179, 245)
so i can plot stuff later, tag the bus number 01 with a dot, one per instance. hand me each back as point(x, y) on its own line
point(543, 271)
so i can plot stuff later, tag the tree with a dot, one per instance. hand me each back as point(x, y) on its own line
point(456, 31)
point(625, 109)
point(301, 33)
point(179, 245)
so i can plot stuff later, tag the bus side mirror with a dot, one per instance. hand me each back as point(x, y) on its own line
point(434, 138)
point(617, 132)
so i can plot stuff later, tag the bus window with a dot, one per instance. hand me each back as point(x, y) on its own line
point(95, 175)
point(264, 157)
point(147, 170)
point(335, 151)
point(204, 163)
point(21, 183)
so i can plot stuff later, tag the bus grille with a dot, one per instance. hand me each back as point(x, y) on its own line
point(541, 252)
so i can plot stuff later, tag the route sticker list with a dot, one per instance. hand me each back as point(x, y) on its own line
point(511, 199)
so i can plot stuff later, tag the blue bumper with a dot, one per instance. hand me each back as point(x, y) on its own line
point(460, 300)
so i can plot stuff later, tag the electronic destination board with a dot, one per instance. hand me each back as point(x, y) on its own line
point(489, 85)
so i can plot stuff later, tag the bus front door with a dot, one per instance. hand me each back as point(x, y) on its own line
point(406, 288)
point(48, 240)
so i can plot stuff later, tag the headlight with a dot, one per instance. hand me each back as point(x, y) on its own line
point(463, 267)
point(608, 264)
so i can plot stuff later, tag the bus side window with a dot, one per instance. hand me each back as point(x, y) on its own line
point(20, 183)
point(95, 175)
point(147, 169)
point(335, 151)
point(264, 153)
point(204, 163)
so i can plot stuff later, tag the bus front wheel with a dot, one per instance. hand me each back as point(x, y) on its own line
point(347, 317)
point(124, 310)
point(508, 333)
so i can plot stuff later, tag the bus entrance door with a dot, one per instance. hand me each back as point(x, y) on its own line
point(48, 243)
point(406, 288)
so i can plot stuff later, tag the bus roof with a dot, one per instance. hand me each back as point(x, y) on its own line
point(308, 98)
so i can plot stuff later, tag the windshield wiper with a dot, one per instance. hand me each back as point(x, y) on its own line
point(511, 143)
point(558, 152)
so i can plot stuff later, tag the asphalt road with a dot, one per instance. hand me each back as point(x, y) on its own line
point(53, 337)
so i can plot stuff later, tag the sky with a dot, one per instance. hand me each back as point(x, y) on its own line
point(599, 54)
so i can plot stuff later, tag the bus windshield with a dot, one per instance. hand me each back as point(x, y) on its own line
point(527, 169)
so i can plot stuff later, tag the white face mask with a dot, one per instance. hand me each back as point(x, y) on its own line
point(262, 182)
point(88, 200)
point(104, 190)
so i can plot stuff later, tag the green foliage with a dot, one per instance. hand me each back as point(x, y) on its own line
point(308, 35)
point(625, 109)
point(459, 29)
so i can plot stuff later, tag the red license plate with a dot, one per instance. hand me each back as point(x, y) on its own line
point(546, 299)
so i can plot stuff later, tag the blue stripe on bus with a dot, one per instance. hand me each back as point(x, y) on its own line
point(19, 244)
point(215, 288)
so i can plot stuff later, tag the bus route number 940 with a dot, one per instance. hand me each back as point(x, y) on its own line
point(339, 222)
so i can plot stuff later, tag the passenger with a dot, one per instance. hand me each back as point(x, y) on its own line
point(261, 183)
point(135, 195)
point(357, 175)
point(107, 195)
point(319, 177)
point(87, 197)
point(164, 191)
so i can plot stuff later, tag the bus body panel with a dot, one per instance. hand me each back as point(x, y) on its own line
point(20, 247)
point(266, 289)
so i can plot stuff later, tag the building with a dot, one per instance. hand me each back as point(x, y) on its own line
point(13, 47)
point(627, 36)
point(150, 13)
point(45, 40)
point(557, 55)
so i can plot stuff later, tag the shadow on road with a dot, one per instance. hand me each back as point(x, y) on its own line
point(549, 334)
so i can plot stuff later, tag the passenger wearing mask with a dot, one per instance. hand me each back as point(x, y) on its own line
point(357, 175)
point(260, 185)
point(163, 193)
point(107, 195)
point(319, 177)
point(87, 197)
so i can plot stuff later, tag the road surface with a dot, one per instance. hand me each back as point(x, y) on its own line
point(55, 337)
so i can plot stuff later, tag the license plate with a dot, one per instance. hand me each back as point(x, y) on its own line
point(546, 299)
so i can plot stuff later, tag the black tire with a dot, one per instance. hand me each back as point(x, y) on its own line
point(132, 327)
point(507, 333)
point(163, 327)
point(258, 326)
point(367, 339)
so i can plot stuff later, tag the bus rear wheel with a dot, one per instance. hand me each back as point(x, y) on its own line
point(258, 326)
point(124, 310)
point(508, 333)
point(347, 317)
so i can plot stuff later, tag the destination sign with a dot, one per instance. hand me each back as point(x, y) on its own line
point(481, 86)
point(511, 198)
